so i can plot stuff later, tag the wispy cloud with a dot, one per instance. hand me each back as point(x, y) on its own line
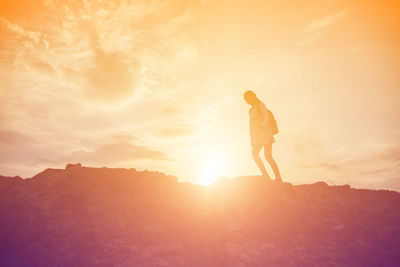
point(377, 170)
point(118, 152)
point(321, 23)
point(21, 31)
point(314, 28)
point(14, 137)
point(179, 130)
point(355, 50)
point(309, 40)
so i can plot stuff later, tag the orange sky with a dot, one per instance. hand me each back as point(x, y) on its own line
point(158, 85)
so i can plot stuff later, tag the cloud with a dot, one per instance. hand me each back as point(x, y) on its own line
point(93, 49)
point(107, 50)
point(17, 147)
point(386, 157)
point(112, 76)
point(394, 183)
point(42, 66)
point(24, 155)
point(377, 170)
point(309, 40)
point(124, 137)
point(13, 137)
point(355, 50)
point(178, 130)
point(21, 31)
point(117, 152)
point(313, 29)
point(319, 24)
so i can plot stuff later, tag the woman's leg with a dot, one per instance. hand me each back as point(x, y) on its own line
point(256, 151)
point(271, 161)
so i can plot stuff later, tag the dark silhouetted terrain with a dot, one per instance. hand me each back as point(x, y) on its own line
point(84, 216)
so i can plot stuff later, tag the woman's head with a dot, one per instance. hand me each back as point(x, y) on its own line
point(250, 97)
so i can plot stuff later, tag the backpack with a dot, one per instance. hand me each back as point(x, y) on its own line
point(272, 122)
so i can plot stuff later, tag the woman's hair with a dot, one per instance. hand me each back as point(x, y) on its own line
point(250, 97)
point(249, 94)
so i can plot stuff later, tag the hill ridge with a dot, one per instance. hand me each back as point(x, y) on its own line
point(86, 216)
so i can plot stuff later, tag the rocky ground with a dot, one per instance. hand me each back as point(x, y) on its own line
point(84, 216)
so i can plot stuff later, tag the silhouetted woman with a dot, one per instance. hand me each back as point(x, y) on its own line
point(261, 134)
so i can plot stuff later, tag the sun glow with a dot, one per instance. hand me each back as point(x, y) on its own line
point(212, 168)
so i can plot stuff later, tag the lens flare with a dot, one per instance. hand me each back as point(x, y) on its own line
point(212, 169)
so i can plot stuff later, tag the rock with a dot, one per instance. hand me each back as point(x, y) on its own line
point(73, 166)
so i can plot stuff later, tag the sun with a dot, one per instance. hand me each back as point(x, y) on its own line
point(212, 168)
